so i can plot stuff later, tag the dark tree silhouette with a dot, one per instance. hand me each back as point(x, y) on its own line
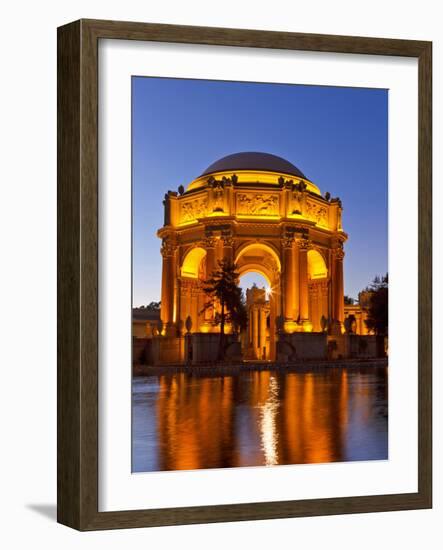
point(377, 320)
point(349, 301)
point(223, 287)
point(153, 306)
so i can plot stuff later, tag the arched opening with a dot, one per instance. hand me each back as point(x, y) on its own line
point(190, 294)
point(258, 339)
point(259, 253)
point(318, 290)
point(316, 265)
point(261, 259)
point(192, 263)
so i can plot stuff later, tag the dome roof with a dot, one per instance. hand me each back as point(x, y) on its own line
point(253, 161)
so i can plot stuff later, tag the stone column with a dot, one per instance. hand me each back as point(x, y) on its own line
point(303, 247)
point(255, 342)
point(338, 287)
point(184, 300)
point(324, 300)
point(289, 280)
point(262, 330)
point(272, 327)
point(315, 307)
point(209, 245)
point(194, 306)
point(201, 298)
point(228, 248)
point(211, 262)
point(296, 283)
point(168, 286)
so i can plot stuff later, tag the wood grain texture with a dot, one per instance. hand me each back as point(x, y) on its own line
point(68, 276)
point(425, 274)
point(77, 456)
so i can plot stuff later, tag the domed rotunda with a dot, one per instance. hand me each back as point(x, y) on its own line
point(261, 212)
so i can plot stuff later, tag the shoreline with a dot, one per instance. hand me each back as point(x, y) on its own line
point(253, 366)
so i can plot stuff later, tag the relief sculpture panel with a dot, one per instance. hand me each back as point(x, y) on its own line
point(258, 204)
point(193, 209)
point(316, 213)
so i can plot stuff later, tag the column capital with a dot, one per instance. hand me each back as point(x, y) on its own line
point(209, 242)
point(228, 240)
point(338, 253)
point(304, 244)
point(288, 241)
point(168, 247)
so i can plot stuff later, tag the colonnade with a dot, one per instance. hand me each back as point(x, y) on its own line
point(304, 298)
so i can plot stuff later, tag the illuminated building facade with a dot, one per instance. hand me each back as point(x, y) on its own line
point(256, 338)
point(259, 211)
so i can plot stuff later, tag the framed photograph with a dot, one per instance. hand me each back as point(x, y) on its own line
point(244, 275)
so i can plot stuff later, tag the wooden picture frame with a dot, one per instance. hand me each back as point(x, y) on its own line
point(78, 274)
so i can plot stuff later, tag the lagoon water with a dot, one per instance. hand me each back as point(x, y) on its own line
point(255, 418)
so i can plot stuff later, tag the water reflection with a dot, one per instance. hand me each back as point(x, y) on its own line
point(186, 422)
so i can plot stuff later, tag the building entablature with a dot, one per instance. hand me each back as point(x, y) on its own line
point(261, 201)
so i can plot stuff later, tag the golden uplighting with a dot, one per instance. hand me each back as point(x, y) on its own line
point(192, 262)
point(205, 327)
point(291, 326)
point(249, 176)
point(268, 429)
point(316, 265)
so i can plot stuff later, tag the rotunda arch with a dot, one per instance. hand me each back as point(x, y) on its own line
point(256, 250)
point(192, 262)
point(317, 268)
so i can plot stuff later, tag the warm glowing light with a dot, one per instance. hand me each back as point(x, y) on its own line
point(205, 327)
point(291, 326)
point(268, 292)
point(268, 429)
point(316, 265)
point(191, 263)
point(254, 176)
point(258, 250)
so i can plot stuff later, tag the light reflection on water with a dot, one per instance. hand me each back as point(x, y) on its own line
point(186, 422)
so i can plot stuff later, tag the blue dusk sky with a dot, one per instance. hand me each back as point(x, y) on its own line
point(338, 137)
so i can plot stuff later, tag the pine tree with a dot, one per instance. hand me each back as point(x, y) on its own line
point(222, 287)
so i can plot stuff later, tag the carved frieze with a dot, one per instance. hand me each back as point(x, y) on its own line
point(258, 204)
point(193, 209)
point(316, 213)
